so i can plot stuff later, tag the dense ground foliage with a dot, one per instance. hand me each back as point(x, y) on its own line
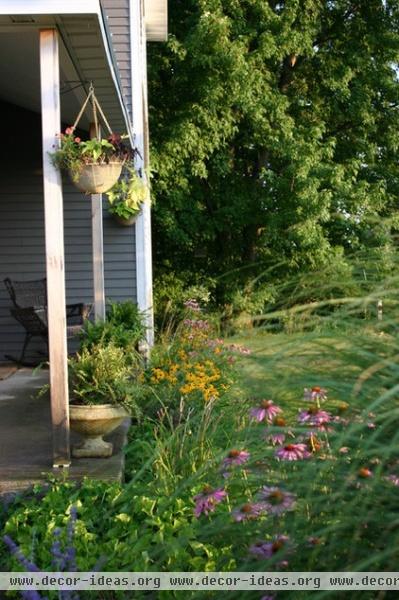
point(292, 465)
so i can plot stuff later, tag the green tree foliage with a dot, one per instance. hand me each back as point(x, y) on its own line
point(274, 130)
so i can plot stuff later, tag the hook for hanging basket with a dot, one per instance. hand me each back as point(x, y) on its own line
point(95, 106)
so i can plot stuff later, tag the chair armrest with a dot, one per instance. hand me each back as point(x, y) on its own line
point(78, 310)
point(42, 314)
point(74, 310)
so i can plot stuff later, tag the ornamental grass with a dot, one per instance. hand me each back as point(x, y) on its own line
point(231, 483)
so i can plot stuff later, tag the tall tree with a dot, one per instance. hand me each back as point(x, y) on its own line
point(274, 130)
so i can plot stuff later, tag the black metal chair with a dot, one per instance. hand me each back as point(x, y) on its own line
point(29, 300)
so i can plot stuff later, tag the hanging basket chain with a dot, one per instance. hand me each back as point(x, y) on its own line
point(96, 127)
point(95, 106)
point(81, 111)
point(102, 114)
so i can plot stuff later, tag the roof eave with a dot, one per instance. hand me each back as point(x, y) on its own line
point(55, 8)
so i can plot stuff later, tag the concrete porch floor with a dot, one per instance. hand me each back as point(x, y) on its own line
point(25, 438)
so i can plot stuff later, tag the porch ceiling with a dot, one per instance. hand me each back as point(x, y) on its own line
point(85, 56)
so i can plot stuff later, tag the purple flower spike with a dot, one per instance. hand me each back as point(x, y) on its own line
point(19, 555)
point(70, 551)
point(197, 324)
point(206, 501)
point(292, 452)
point(266, 411)
point(59, 563)
point(32, 595)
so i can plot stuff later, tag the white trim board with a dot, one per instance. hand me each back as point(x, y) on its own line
point(143, 223)
point(49, 7)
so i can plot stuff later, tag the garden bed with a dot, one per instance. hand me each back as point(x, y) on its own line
point(269, 452)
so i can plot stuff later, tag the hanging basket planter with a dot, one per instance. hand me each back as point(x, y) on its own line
point(126, 197)
point(97, 179)
point(94, 165)
point(125, 222)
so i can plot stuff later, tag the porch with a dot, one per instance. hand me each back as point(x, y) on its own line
point(26, 438)
point(51, 54)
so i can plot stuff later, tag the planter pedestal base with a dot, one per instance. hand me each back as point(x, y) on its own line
point(92, 447)
point(92, 422)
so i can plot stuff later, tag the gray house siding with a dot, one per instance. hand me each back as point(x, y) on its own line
point(117, 13)
point(22, 242)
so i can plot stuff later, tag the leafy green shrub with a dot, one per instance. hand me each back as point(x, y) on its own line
point(126, 313)
point(242, 304)
point(127, 195)
point(124, 327)
point(101, 375)
point(171, 291)
point(126, 528)
point(191, 367)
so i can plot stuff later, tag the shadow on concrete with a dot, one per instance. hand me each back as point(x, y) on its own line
point(26, 438)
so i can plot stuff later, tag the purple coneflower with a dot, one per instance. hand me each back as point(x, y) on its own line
point(206, 501)
point(314, 417)
point(394, 479)
point(248, 511)
point(314, 541)
point(239, 349)
point(292, 452)
point(315, 393)
point(364, 473)
point(276, 501)
point(192, 304)
point(236, 457)
point(199, 324)
point(275, 439)
point(269, 549)
point(266, 411)
point(214, 343)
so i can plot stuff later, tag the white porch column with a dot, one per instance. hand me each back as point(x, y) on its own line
point(98, 256)
point(97, 245)
point(54, 231)
point(140, 128)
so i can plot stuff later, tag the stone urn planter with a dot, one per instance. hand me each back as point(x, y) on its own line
point(97, 178)
point(92, 422)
